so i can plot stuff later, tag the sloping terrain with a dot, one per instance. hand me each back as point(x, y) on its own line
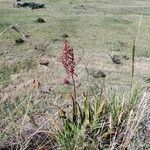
point(96, 29)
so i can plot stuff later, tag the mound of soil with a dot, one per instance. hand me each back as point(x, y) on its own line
point(31, 5)
point(40, 20)
point(19, 41)
point(96, 73)
point(115, 59)
point(65, 35)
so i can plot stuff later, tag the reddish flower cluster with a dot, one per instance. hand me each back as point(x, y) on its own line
point(68, 61)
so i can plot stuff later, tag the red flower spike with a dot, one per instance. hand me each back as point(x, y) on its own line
point(68, 61)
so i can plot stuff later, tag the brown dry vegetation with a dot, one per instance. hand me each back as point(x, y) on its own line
point(95, 28)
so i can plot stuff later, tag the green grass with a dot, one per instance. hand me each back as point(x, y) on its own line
point(95, 127)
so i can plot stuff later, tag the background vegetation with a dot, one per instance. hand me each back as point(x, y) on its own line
point(34, 96)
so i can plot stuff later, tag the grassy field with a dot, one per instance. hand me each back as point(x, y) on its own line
point(96, 28)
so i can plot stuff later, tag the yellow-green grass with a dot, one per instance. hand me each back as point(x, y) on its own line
point(95, 28)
